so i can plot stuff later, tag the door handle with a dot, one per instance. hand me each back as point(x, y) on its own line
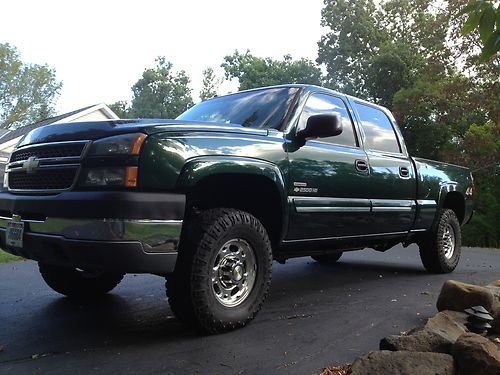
point(361, 166)
point(404, 172)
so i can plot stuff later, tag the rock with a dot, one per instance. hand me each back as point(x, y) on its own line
point(459, 296)
point(403, 363)
point(438, 334)
point(476, 354)
point(494, 287)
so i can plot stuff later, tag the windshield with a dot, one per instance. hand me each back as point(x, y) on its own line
point(264, 108)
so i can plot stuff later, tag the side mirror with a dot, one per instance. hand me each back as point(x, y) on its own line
point(321, 126)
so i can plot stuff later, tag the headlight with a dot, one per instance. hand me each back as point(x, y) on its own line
point(125, 144)
point(111, 176)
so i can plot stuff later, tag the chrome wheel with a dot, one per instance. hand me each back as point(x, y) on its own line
point(448, 241)
point(233, 273)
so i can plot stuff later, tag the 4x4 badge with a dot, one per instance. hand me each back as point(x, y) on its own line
point(31, 165)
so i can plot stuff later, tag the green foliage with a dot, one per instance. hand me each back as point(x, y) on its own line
point(253, 72)
point(482, 16)
point(6, 257)
point(210, 84)
point(27, 91)
point(161, 92)
point(120, 108)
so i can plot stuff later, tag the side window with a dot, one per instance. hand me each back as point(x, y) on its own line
point(378, 129)
point(321, 103)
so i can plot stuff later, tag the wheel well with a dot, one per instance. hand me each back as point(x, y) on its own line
point(455, 201)
point(255, 194)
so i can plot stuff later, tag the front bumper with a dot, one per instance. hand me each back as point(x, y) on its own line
point(127, 232)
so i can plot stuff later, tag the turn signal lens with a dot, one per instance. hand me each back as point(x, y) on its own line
point(131, 177)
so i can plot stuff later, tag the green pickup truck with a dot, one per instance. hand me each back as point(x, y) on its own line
point(210, 199)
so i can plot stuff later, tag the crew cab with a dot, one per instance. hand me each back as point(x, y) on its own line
point(210, 199)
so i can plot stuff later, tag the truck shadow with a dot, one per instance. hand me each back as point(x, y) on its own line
point(129, 316)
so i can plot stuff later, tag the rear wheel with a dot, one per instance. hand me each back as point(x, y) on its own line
point(73, 282)
point(327, 258)
point(440, 248)
point(223, 272)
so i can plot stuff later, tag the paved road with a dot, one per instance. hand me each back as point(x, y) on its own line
point(317, 316)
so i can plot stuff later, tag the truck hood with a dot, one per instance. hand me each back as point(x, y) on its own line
point(75, 131)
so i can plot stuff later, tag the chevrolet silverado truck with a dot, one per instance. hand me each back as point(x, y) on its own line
point(210, 199)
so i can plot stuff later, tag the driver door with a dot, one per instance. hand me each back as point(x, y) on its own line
point(328, 189)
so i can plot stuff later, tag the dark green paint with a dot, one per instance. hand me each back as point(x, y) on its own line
point(177, 157)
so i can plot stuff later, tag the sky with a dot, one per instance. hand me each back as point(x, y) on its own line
point(99, 49)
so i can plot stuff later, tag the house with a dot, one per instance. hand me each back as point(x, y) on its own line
point(9, 139)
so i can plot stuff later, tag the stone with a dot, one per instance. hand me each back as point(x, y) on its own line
point(438, 334)
point(403, 363)
point(459, 296)
point(476, 354)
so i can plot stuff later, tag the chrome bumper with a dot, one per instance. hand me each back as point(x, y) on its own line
point(117, 245)
point(156, 236)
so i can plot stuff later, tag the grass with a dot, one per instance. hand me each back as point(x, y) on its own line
point(6, 257)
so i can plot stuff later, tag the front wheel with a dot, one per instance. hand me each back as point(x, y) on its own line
point(73, 282)
point(440, 248)
point(223, 272)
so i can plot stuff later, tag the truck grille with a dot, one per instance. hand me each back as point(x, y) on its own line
point(48, 179)
point(46, 167)
point(49, 151)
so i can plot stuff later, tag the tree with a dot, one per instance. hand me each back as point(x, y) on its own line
point(120, 108)
point(27, 91)
point(352, 40)
point(483, 17)
point(161, 92)
point(210, 84)
point(252, 71)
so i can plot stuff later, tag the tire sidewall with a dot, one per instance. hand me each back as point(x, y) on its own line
point(448, 217)
point(249, 307)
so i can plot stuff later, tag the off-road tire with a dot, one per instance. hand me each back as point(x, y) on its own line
point(327, 258)
point(78, 284)
point(190, 287)
point(434, 246)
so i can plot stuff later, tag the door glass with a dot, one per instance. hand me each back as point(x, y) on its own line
point(321, 104)
point(378, 129)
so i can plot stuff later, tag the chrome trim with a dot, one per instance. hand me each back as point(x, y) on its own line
point(51, 166)
point(156, 236)
point(347, 237)
point(46, 160)
point(391, 209)
point(426, 202)
point(332, 209)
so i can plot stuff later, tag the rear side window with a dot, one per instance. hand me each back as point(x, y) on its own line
point(321, 103)
point(378, 129)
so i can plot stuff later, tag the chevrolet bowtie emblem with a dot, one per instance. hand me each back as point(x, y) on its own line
point(31, 165)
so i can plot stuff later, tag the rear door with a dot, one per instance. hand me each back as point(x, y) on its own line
point(329, 177)
point(392, 176)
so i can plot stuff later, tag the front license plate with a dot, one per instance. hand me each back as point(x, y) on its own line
point(14, 234)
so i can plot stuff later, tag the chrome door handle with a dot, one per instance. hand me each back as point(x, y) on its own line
point(361, 166)
point(404, 172)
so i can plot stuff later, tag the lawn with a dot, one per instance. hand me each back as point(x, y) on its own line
point(6, 257)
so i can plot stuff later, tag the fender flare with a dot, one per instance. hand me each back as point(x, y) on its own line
point(196, 169)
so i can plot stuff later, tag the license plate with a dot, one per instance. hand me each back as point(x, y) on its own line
point(14, 234)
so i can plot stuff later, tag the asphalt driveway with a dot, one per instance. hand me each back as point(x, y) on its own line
point(317, 315)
